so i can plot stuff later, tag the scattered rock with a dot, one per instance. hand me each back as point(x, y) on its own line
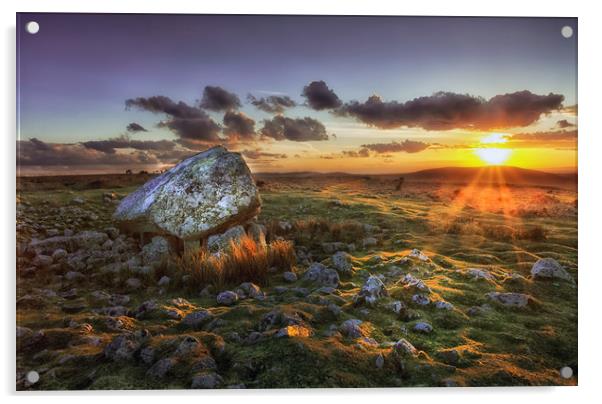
point(369, 242)
point(227, 298)
point(480, 274)
point(122, 348)
point(373, 290)
point(442, 305)
point(319, 274)
point(294, 331)
point(549, 268)
point(421, 300)
point(380, 361)
point(206, 381)
point(156, 252)
point(341, 261)
point(415, 253)
point(197, 318)
point(510, 299)
point(423, 327)
point(351, 328)
point(404, 347)
point(160, 369)
point(289, 276)
point(164, 281)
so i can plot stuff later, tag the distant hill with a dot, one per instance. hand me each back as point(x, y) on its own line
point(494, 175)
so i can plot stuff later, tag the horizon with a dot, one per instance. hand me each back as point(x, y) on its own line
point(155, 89)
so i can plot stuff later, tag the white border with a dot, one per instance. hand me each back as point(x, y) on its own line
point(590, 170)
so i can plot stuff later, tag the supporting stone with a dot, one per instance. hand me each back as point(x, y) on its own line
point(191, 245)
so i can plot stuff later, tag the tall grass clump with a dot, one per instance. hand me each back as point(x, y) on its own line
point(245, 260)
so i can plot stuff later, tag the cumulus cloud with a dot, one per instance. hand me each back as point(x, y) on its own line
point(34, 152)
point(363, 152)
point(563, 124)
point(446, 110)
point(135, 127)
point(320, 97)
point(110, 145)
point(186, 121)
point(295, 129)
point(215, 98)
point(273, 104)
point(162, 104)
point(239, 126)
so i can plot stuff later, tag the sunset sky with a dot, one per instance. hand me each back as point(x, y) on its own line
point(104, 93)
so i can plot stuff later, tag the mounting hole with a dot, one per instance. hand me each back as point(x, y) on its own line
point(566, 372)
point(566, 31)
point(32, 27)
point(32, 376)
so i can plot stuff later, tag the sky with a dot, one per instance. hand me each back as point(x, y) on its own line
point(105, 92)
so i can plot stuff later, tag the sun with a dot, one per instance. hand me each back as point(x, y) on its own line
point(493, 155)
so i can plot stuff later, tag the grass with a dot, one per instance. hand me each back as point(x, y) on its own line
point(244, 261)
point(501, 346)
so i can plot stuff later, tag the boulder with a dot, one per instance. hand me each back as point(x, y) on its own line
point(156, 252)
point(549, 268)
point(202, 195)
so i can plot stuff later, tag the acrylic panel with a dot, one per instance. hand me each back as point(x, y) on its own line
point(273, 201)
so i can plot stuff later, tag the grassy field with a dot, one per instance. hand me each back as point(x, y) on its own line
point(502, 230)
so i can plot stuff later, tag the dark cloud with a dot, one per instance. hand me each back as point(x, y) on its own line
point(34, 152)
point(161, 104)
point(320, 97)
point(186, 121)
point(563, 124)
point(110, 145)
point(257, 154)
point(239, 126)
point(445, 111)
point(274, 104)
point(295, 129)
point(216, 98)
point(407, 146)
point(135, 127)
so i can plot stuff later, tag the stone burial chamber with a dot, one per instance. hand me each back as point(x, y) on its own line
point(201, 196)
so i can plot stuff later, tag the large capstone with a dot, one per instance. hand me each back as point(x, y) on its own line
point(202, 195)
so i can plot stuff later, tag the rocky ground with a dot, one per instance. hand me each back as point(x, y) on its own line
point(427, 287)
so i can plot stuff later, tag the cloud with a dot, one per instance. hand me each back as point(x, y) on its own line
point(273, 104)
point(407, 146)
point(34, 152)
point(563, 123)
point(446, 110)
point(257, 154)
point(363, 152)
point(110, 145)
point(186, 121)
point(215, 98)
point(135, 127)
point(320, 97)
point(162, 104)
point(295, 129)
point(239, 126)
point(543, 138)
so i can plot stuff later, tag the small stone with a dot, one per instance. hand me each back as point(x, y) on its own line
point(133, 283)
point(549, 268)
point(423, 327)
point(421, 300)
point(160, 369)
point(59, 254)
point(480, 274)
point(227, 298)
point(510, 299)
point(404, 347)
point(442, 305)
point(341, 261)
point(373, 290)
point(351, 328)
point(289, 276)
point(319, 274)
point(415, 253)
point(380, 361)
point(164, 281)
point(369, 242)
point(197, 318)
point(206, 381)
point(42, 261)
point(294, 331)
